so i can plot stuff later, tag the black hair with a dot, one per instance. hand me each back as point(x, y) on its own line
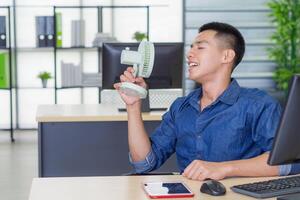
point(230, 35)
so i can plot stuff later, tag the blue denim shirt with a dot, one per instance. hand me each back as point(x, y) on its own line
point(240, 124)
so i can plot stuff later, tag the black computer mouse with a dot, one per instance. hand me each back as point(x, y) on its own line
point(213, 187)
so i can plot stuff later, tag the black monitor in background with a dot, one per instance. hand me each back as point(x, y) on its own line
point(286, 146)
point(167, 71)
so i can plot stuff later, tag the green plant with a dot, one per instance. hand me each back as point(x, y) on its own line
point(285, 14)
point(138, 36)
point(44, 75)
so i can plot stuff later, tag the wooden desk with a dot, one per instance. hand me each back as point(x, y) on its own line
point(87, 140)
point(119, 188)
point(89, 113)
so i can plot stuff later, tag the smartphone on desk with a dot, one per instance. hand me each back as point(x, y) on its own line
point(167, 190)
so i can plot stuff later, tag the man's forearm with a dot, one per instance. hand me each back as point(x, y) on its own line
point(139, 143)
point(252, 167)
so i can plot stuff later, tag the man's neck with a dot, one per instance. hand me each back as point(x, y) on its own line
point(212, 90)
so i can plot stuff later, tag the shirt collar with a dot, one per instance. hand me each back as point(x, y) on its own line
point(229, 96)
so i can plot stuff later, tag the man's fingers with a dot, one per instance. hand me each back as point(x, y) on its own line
point(196, 171)
point(117, 85)
point(124, 78)
point(140, 81)
point(130, 69)
point(190, 171)
point(187, 169)
point(129, 76)
point(203, 176)
point(196, 174)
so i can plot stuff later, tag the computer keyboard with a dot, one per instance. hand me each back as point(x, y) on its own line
point(271, 188)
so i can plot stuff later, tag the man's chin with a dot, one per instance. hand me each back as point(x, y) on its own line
point(196, 79)
point(193, 78)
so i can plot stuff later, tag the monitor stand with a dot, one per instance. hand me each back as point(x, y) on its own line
point(145, 106)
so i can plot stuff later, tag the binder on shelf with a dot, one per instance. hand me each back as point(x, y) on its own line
point(58, 24)
point(4, 70)
point(49, 31)
point(77, 34)
point(71, 75)
point(2, 32)
point(91, 79)
point(40, 31)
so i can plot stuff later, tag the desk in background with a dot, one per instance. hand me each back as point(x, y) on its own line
point(87, 140)
point(120, 188)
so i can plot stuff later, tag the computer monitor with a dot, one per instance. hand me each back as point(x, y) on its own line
point(167, 70)
point(286, 148)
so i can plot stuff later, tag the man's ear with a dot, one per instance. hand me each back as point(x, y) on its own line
point(228, 56)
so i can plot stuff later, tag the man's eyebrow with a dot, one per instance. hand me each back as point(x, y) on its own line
point(197, 42)
point(201, 42)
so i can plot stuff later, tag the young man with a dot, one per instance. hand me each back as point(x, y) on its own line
point(219, 130)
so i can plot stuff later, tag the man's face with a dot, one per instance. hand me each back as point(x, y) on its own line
point(205, 56)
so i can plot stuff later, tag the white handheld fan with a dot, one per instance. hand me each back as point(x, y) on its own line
point(142, 62)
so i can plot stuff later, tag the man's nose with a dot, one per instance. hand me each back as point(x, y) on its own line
point(189, 53)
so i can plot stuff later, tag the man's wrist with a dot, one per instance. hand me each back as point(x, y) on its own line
point(229, 169)
point(136, 107)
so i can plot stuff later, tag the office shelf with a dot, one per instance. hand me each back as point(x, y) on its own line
point(57, 50)
point(77, 48)
point(36, 88)
point(27, 58)
point(77, 87)
point(8, 49)
point(35, 49)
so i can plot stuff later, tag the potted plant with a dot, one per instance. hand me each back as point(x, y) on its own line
point(285, 14)
point(44, 76)
point(139, 36)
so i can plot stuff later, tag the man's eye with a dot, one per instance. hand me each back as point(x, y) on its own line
point(200, 47)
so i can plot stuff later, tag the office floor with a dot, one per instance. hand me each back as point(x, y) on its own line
point(18, 164)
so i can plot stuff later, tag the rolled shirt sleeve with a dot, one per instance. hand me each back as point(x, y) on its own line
point(285, 169)
point(145, 165)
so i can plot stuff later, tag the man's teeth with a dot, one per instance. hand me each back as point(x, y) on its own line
point(193, 64)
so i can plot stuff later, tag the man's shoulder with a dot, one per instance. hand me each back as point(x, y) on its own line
point(183, 101)
point(258, 96)
point(192, 95)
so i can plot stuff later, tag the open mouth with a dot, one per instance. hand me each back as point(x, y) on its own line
point(193, 64)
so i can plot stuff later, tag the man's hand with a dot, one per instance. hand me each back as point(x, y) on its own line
point(201, 170)
point(127, 76)
point(252, 167)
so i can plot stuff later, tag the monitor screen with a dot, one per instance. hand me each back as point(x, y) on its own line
point(286, 148)
point(167, 69)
